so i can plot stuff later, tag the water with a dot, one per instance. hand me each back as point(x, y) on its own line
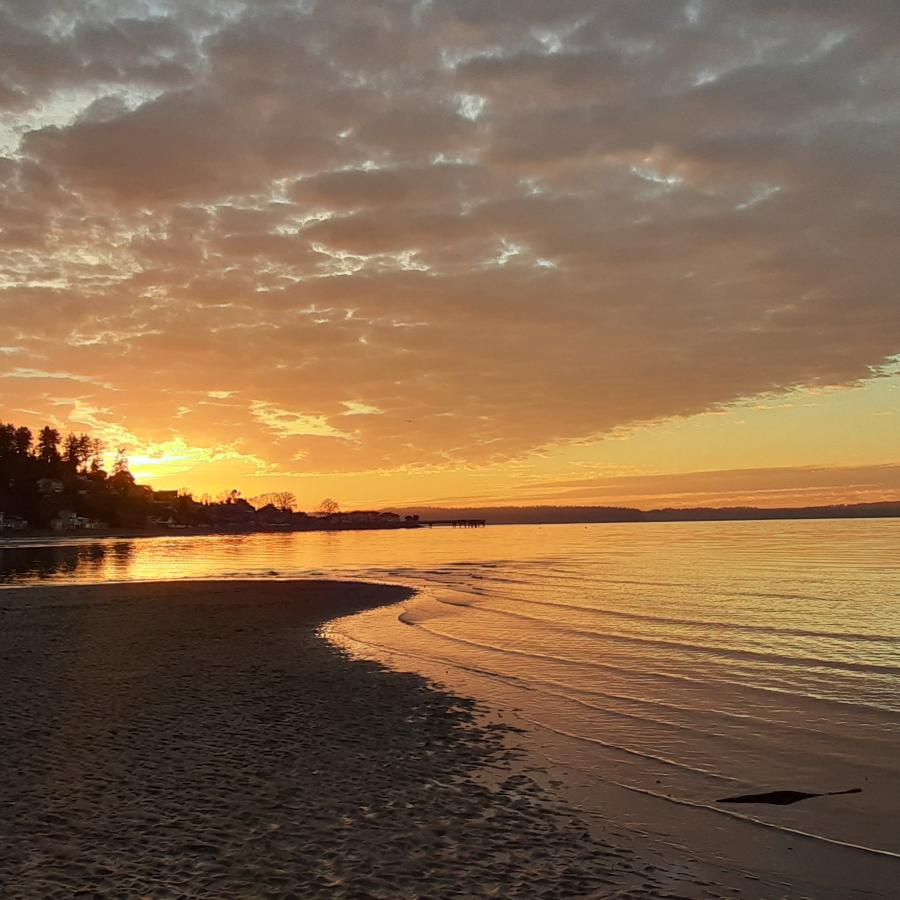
point(661, 667)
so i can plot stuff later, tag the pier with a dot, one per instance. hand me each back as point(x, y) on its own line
point(455, 523)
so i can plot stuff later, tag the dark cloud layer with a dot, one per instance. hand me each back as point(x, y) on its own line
point(492, 225)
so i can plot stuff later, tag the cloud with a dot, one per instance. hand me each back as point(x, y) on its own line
point(390, 187)
point(761, 487)
point(764, 486)
point(294, 424)
point(354, 408)
point(25, 373)
point(499, 230)
point(92, 51)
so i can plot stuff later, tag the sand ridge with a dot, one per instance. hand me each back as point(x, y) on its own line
point(198, 740)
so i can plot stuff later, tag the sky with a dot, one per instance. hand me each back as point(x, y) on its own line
point(459, 251)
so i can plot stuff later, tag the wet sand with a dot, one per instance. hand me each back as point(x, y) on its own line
point(200, 740)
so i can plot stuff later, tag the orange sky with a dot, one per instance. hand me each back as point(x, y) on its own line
point(593, 252)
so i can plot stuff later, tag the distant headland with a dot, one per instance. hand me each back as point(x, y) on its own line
point(551, 515)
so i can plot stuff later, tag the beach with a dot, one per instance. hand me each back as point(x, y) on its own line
point(200, 739)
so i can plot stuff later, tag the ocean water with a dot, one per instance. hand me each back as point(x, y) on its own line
point(659, 667)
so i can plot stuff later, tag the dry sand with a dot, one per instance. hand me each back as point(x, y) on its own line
point(198, 739)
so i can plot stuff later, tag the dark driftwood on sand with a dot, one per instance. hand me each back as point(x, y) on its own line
point(783, 798)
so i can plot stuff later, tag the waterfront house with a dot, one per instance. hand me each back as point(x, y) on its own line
point(10, 522)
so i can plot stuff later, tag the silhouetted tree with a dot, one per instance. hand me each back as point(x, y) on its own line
point(328, 507)
point(97, 448)
point(70, 449)
point(48, 445)
point(77, 450)
point(23, 440)
point(285, 501)
point(121, 462)
point(121, 479)
point(7, 440)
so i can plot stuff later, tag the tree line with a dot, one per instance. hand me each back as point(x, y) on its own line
point(45, 476)
point(59, 481)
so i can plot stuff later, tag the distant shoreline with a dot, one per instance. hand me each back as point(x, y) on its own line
point(586, 515)
point(186, 531)
point(496, 516)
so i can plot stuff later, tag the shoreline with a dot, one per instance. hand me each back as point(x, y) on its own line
point(24, 538)
point(20, 538)
point(202, 739)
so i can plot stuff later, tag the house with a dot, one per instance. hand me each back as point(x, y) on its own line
point(49, 486)
point(69, 521)
point(9, 522)
point(161, 521)
point(362, 518)
point(63, 521)
point(238, 514)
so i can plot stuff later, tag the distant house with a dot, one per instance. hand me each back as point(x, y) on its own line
point(362, 518)
point(272, 515)
point(161, 521)
point(165, 496)
point(9, 522)
point(69, 521)
point(49, 486)
point(238, 514)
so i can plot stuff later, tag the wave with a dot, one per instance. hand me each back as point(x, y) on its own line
point(709, 623)
point(630, 751)
point(560, 690)
point(717, 651)
point(649, 673)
